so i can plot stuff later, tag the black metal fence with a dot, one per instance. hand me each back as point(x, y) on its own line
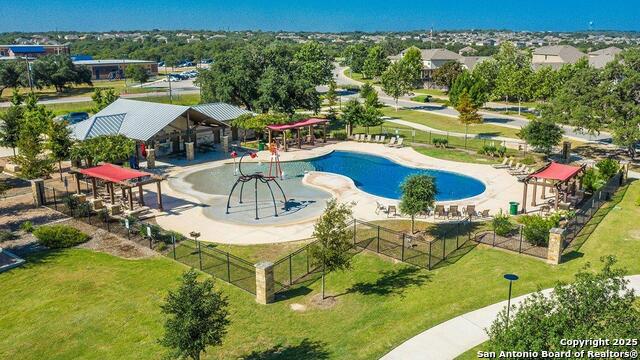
point(202, 255)
point(513, 242)
point(427, 250)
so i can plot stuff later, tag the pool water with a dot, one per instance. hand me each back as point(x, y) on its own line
point(382, 177)
point(373, 174)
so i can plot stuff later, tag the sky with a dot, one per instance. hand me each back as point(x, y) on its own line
point(319, 15)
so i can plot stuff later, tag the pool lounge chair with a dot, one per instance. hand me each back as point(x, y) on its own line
point(440, 212)
point(392, 142)
point(398, 143)
point(518, 169)
point(356, 137)
point(454, 212)
point(392, 209)
point(485, 214)
point(376, 139)
point(503, 164)
point(368, 138)
point(470, 211)
point(380, 207)
point(382, 138)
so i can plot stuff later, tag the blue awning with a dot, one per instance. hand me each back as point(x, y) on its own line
point(27, 49)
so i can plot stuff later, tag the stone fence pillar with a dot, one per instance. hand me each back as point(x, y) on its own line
point(225, 143)
point(265, 284)
point(37, 189)
point(191, 153)
point(556, 240)
point(151, 158)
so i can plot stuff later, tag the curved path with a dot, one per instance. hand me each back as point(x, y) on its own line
point(511, 121)
point(456, 336)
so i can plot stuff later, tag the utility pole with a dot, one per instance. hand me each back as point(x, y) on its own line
point(26, 58)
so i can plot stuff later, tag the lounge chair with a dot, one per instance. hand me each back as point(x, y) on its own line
point(376, 139)
point(454, 212)
point(470, 211)
point(356, 137)
point(392, 142)
point(392, 209)
point(399, 142)
point(368, 138)
point(485, 214)
point(503, 164)
point(440, 212)
point(380, 207)
point(424, 213)
point(517, 169)
point(382, 138)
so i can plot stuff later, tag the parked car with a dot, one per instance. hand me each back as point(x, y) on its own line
point(186, 64)
point(75, 117)
point(161, 64)
point(206, 61)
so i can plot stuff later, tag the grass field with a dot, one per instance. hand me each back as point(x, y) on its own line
point(87, 106)
point(82, 304)
point(433, 92)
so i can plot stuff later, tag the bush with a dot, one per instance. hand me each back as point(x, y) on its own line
point(591, 180)
point(350, 87)
point(59, 236)
point(27, 226)
point(536, 228)
point(607, 168)
point(501, 224)
point(440, 142)
point(339, 135)
point(76, 208)
point(6, 235)
point(528, 160)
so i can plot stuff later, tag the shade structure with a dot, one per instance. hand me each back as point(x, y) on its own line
point(299, 124)
point(113, 173)
point(556, 171)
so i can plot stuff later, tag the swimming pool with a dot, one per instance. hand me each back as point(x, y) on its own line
point(382, 177)
point(373, 174)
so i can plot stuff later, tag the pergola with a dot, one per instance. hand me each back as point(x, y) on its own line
point(126, 178)
point(553, 175)
point(310, 123)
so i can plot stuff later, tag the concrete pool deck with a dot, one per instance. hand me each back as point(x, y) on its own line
point(186, 210)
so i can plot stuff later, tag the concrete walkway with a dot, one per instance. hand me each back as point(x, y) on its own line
point(456, 336)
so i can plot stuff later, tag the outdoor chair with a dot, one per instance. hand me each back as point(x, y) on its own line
point(391, 210)
point(454, 212)
point(368, 138)
point(471, 211)
point(376, 139)
point(440, 212)
point(382, 138)
point(356, 137)
point(398, 143)
point(485, 214)
point(380, 207)
point(503, 164)
point(517, 169)
point(392, 142)
point(424, 213)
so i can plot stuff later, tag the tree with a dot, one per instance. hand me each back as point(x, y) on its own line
point(474, 87)
point(259, 122)
point(11, 122)
point(197, 317)
point(446, 74)
point(467, 113)
point(413, 61)
point(59, 142)
point(352, 113)
point(396, 81)
point(105, 148)
point(30, 157)
point(12, 75)
point(103, 98)
point(372, 116)
point(487, 72)
point(375, 63)
point(333, 239)
point(544, 83)
point(418, 195)
point(370, 95)
point(332, 98)
point(314, 63)
point(596, 306)
point(58, 71)
point(355, 56)
point(137, 72)
point(542, 134)
point(513, 77)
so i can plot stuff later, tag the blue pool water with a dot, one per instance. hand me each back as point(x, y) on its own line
point(382, 177)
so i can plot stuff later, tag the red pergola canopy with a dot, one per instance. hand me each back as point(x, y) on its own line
point(299, 124)
point(113, 173)
point(557, 171)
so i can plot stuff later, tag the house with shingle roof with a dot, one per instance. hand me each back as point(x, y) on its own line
point(556, 56)
point(600, 58)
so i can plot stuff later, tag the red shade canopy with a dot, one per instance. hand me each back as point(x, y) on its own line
point(113, 173)
point(556, 171)
point(299, 124)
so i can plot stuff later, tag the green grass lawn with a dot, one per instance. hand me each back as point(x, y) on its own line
point(82, 304)
point(358, 77)
point(456, 155)
point(87, 106)
point(447, 123)
point(433, 92)
point(84, 89)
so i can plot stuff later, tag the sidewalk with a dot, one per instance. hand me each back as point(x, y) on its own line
point(454, 337)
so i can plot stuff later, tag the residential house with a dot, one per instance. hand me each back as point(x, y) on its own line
point(600, 58)
point(555, 56)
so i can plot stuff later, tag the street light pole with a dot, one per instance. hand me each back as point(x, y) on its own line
point(511, 278)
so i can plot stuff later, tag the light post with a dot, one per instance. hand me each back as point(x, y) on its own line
point(511, 278)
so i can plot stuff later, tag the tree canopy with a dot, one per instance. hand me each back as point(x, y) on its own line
point(397, 81)
point(375, 63)
point(413, 61)
point(446, 74)
point(467, 83)
point(355, 56)
point(103, 97)
point(11, 122)
point(12, 75)
point(418, 195)
point(58, 71)
point(137, 73)
point(542, 134)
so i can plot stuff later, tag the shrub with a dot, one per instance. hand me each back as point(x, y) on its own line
point(59, 236)
point(6, 235)
point(339, 135)
point(501, 151)
point(77, 208)
point(528, 160)
point(489, 150)
point(501, 224)
point(27, 226)
point(536, 228)
point(591, 181)
point(607, 168)
point(440, 142)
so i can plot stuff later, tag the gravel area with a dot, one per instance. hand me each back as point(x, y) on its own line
point(18, 209)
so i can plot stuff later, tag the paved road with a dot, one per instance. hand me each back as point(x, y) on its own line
point(489, 117)
point(456, 336)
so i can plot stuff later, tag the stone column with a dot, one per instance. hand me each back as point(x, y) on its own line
point(265, 285)
point(191, 154)
point(216, 136)
point(556, 240)
point(37, 189)
point(225, 143)
point(151, 158)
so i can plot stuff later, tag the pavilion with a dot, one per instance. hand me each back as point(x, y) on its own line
point(299, 125)
point(556, 176)
point(125, 178)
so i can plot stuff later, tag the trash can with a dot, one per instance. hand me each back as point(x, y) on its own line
point(261, 146)
point(513, 208)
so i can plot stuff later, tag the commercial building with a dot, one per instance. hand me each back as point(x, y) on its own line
point(114, 69)
point(32, 51)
